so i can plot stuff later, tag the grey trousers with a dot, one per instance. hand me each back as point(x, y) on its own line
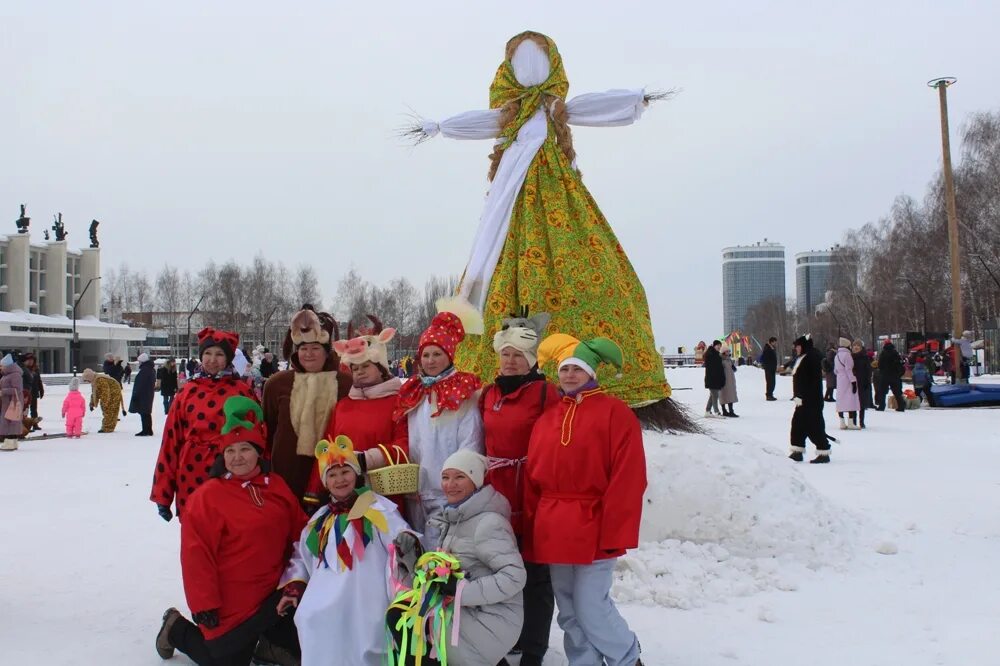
point(713, 401)
point(594, 632)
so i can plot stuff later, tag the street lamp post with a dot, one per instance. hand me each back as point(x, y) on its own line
point(958, 325)
point(922, 302)
point(75, 343)
point(871, 318)
point(191, 314)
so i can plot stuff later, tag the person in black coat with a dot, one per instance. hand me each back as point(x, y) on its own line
point(769, 361)
point(32, 380)
point(142, 395)
point(192, 367)
point(715, 377)
point(807, 387)
point(268, 365)
point(863, 375)
point(167, 376)
point(890, 368)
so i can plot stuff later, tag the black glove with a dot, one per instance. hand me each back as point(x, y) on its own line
point(124, 413)
point(449, 587)
point(854, 387)
point(164, 511)
point(208, 619)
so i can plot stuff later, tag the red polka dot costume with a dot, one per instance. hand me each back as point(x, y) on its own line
point(192, 435)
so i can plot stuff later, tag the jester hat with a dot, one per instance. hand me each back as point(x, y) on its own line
point(587, 354)
point(244, 423)
point(335, 454)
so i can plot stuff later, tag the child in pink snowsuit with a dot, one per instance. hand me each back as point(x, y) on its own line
point(73, 409)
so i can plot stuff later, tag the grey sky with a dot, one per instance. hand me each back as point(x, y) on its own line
point(198, 132)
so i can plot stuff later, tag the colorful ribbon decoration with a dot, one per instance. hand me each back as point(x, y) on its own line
point(426, 612)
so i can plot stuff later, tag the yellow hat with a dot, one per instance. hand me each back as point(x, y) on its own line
point(587, 354)
point(336, 453)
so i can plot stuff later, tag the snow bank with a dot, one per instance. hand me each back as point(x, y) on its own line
point(728, 519)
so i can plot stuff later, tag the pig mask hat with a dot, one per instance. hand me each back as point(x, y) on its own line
point(371, 346)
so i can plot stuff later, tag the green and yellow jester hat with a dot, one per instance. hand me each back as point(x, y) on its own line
point(506, 88)
point(587, 354)
point(244, 423)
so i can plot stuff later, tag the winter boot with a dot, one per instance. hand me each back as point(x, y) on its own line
point(8, 445)
point(268, 654)
point(163, 646)
point(843, 423)
point(796, 456)
point(732, 413)
point(725, 411)
point(821, 457)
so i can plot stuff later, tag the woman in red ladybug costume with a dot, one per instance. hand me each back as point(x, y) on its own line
point(586, 473)
point(238, 531)
point(193, 429)
point(510, 408)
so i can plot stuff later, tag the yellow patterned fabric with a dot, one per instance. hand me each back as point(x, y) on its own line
point(562, 257)
point(107, 393)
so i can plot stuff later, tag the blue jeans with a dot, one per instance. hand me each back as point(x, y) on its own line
point(594, 632)
point(167, 401)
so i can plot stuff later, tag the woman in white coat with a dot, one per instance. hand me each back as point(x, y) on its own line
point(442, 412)
point(848, 401)
point(338, 577)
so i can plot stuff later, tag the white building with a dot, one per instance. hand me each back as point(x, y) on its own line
point(39, 284)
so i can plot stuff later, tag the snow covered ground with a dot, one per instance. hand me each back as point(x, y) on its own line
point(886, 556)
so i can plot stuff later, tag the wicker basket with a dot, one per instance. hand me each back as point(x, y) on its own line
point(396, 478)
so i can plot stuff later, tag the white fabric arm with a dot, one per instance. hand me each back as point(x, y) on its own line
point(468, 125)
point(606, 109)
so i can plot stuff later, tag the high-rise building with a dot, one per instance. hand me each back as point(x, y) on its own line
point(750, 274)
point(814, 272)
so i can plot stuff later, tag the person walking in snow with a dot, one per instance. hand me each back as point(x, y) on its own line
point(33, 386)
point(715, 377)
point(848, 401)
point(863, 377)
point(769, 361)
point(237, 532)
point(126, 371)
point(142, 395)
point(807, 389)
point(106, 393)
point(584, 481)
point(829, 374)
point(890, 368)
point(11, 403)
point(168, 380)
point(74, 408)
point(921, 379)
point(728, 396)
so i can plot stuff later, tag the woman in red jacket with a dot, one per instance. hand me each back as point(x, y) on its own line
point(192, 432)
point(510, 407)
point(365, 414)
point(237, 535)
point(585, 476)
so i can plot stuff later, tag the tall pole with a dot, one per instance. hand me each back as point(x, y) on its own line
point(949, 196)
point(922, 302)
point(75, 343)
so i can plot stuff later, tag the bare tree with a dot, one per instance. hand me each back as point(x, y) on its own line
point(168, 297)
point(307, 286)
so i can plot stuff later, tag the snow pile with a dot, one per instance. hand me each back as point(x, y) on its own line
point(728, 519)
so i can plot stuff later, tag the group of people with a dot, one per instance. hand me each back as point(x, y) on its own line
point(525, 494)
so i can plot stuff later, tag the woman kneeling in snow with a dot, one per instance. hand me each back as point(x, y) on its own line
point(237, 534)
point(474, 528)
point(338, 577)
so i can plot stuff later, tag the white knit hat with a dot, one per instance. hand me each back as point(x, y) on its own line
point(143, 357)
point(7, 360)
point(470, 463)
